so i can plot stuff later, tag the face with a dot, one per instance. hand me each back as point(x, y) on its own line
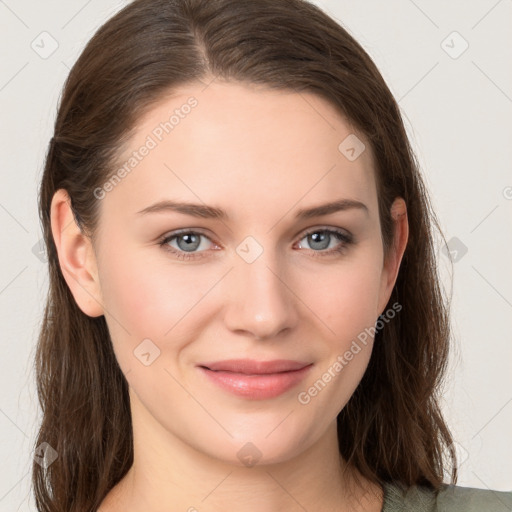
point(256, 271)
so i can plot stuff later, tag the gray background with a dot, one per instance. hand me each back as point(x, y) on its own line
point(457, 107)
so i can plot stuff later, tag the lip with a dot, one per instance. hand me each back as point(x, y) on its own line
point(253, 367)
point(256, 380)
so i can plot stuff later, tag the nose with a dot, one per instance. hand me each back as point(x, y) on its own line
point(261, 302)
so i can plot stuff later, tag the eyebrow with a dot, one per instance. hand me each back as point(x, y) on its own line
point(211, 212)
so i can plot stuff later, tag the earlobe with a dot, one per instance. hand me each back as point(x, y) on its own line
point(392, 263)
point(76, 256)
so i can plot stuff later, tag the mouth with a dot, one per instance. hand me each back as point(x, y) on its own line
point(252, 367)
point(256, 380)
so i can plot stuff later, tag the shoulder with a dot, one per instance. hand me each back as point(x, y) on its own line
point(454, 497)
point(450, 498)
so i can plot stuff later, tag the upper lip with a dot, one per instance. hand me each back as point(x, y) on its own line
point(250, 366)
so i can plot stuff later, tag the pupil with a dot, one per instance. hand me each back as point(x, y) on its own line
point(321, 238)
point(191, 242)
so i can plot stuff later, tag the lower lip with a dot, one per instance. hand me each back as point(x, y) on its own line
point(257, 387)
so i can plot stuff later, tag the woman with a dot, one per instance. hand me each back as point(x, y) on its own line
point(244, 305)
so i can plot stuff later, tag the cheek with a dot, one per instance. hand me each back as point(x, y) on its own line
point(147, 299)
point(142, 294)
point(346, 297)
point(131, 294)
point(347, 305)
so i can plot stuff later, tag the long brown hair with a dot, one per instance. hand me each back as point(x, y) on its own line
point(392, 429)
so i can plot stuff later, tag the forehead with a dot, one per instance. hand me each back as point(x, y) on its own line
point(245, 145)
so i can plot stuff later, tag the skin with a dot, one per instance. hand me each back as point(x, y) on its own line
point(260, 155)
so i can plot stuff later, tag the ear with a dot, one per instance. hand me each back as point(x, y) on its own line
point(392, 262)
point(76, 256)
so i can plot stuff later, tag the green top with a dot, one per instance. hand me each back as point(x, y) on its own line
point(451, 498)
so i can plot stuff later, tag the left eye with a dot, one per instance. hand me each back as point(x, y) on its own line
point(320, 239)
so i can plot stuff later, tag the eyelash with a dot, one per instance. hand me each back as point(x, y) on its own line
point(345, 238)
